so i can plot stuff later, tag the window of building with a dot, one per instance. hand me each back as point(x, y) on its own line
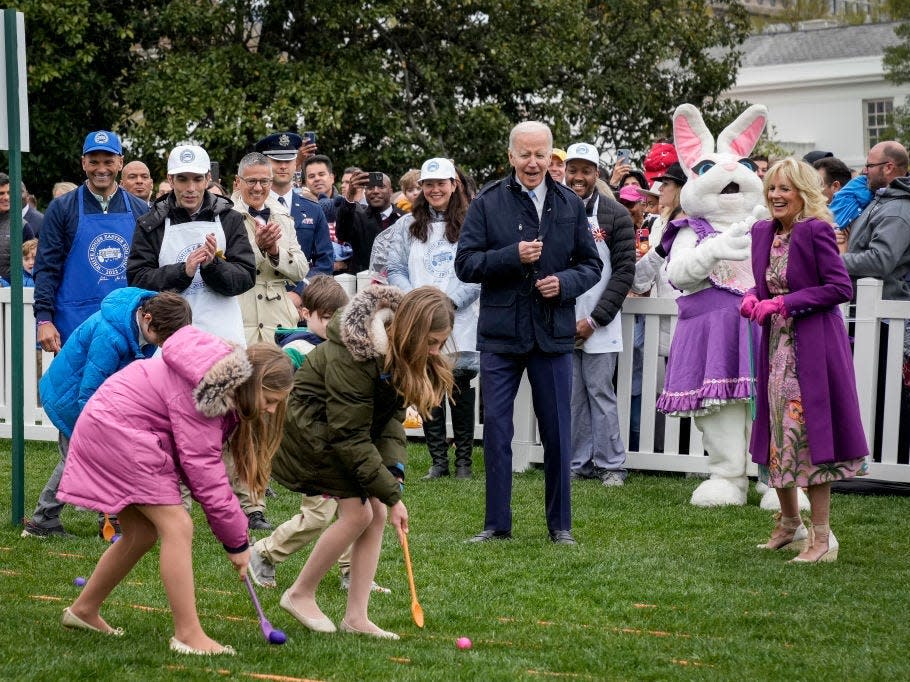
point(877, 114)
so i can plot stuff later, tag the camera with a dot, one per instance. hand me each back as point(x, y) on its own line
point(376, 179)
point(309, 137)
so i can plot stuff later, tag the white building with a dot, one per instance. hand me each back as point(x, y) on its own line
point(824, 88)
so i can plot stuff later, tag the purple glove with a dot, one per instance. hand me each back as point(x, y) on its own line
point(771, 306)
point(748, 305)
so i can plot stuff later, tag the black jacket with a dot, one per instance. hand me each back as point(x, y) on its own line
point(358, 225)
point(514, 317)
point(230, 275)
point(619, 236)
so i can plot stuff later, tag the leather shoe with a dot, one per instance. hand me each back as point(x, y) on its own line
point(436, 472)
point(488, 535)
point(463, 472)
point(562, 537)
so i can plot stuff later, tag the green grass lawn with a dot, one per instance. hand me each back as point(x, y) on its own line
point(655, 590)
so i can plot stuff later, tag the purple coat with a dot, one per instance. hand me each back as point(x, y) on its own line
point(143, 432)
point(818, 282)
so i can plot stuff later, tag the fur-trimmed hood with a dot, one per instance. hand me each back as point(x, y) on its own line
point(211, 364)
point(362, 325)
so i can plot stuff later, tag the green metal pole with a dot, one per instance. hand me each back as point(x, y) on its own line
point(15, 228)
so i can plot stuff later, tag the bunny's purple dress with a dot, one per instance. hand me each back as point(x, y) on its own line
point(708, 364)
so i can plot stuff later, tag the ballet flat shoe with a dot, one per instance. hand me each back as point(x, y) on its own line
point(71, 620)
point(315, 624)
point(379, 634)
point(179, 647)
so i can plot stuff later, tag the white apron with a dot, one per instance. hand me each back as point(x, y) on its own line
point(433, 262)
point(606, 339)
point(212, 312)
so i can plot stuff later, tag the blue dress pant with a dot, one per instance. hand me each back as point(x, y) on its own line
point(550, 376)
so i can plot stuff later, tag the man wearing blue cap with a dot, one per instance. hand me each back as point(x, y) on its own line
point(309, 219)
point(84, 243)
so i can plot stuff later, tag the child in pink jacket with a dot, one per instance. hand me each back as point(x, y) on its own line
point(160, 422)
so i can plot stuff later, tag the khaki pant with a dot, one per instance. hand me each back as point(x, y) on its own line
point(316, 514)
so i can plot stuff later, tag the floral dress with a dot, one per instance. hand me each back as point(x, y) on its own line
point(790, 464)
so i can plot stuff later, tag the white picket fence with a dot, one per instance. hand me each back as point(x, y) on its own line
point(527, 449)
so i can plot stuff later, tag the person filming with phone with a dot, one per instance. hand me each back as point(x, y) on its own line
point(358, 225)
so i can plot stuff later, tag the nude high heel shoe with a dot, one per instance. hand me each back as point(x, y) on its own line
point(789, 533)
point(820, 533)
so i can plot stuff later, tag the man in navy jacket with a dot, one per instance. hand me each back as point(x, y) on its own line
point(526, 240)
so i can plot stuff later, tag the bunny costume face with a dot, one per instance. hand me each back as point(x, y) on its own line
point(723, 187)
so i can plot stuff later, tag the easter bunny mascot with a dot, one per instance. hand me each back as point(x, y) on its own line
point(708, 375)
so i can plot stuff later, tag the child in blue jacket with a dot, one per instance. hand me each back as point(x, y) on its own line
point(131, 324)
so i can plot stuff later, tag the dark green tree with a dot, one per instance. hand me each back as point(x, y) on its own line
point(384, 84)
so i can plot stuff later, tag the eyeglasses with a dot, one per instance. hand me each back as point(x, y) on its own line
point(262, 182)
point(873, 165)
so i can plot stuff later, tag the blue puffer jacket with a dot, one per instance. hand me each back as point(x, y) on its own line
point(106, 342)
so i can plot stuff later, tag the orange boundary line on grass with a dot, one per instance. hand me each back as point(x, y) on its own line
point(696, 664)
point(549, 673)
point(68, 555)
point(621, 630)
point(257, 676)
point(397, 659)
point(10, 573)
point(45, 597)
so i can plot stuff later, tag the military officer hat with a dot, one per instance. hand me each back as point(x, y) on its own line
point(280, 146)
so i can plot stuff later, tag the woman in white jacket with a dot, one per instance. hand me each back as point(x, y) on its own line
point(422, 251)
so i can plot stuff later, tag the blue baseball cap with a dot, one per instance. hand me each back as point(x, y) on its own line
point(102, 141)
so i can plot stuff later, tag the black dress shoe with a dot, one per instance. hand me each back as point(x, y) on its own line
point(436, 472)
point(487, 535)
point(462, 472)
point(562, 537)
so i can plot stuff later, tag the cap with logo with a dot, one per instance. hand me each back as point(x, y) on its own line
point(280, 146)
point(102, 141)
point(437, 169)
point(583, 151)
point(188, 158)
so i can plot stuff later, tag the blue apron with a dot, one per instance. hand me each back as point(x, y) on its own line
point(95, 266)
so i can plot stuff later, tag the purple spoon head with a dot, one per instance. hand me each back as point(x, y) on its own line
point(277, 637)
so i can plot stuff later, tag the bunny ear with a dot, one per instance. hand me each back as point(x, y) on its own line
point(739, 137)
point(691, 136)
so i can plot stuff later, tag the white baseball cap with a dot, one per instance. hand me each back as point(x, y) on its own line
point(437, 169)
point(188, 158)
point(583, 151)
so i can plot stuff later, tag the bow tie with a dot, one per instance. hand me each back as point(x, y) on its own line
point(264, 213)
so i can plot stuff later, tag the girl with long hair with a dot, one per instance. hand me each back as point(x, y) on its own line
point(159, 423)
point(344, 438)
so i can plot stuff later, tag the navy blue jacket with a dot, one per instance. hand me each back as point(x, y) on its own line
point(60, 223)
point(514, 317)
point(312, 230)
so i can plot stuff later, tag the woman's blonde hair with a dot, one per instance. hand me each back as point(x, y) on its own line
point(805, 180)
point(422, 379)
point(258, 434)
